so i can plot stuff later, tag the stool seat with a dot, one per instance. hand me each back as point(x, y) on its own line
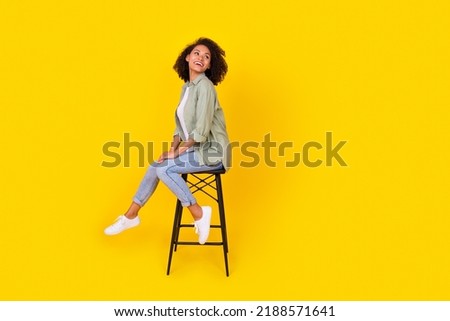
point(206, 180)
point(213, 171)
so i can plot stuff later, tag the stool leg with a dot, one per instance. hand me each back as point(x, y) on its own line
point(178, 217)
point(221, 210)
point(175, 233)
point(179, 211)
point(223, 226)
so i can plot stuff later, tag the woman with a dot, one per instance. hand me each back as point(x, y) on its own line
point(200, 141)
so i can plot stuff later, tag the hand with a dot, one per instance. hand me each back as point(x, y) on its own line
point(166, 155)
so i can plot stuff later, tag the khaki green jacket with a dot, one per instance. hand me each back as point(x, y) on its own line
point(205, 123)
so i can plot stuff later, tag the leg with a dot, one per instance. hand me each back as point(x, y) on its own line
point(196, 211)
point(133, 211)
point(145, 191)
point(169, 172)
point(130, 218)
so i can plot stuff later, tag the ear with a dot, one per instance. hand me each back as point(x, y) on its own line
point(187, 58)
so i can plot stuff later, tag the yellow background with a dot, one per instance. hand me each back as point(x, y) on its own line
point(77, 74)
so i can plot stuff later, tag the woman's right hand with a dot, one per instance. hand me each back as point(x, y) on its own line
point(166, 155)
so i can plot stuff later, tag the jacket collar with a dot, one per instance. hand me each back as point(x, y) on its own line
point(197, 80)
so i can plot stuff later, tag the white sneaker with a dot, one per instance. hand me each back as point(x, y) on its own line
point(202, 226)
point(121, 224)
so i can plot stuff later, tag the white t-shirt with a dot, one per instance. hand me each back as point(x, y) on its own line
point(180, 112)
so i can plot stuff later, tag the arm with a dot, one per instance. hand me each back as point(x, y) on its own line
point(184, 146)
point(204, 113)
point(175, 143)
point(204, 116)
point(177, 148)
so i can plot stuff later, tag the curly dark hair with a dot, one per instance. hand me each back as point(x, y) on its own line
point(216, 73)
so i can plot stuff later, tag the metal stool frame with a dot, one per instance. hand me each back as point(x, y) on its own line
point(201, 185)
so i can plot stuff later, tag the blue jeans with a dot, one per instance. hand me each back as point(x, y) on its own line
point(169, 172)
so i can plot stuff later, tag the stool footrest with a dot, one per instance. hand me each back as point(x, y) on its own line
point(196, 243)
point(192, 225)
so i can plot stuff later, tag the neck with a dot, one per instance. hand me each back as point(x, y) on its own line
point(193, 75)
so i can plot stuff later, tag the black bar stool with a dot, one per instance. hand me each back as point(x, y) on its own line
point(211, 179)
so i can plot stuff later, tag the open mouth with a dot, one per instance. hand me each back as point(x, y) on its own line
point(198, 63)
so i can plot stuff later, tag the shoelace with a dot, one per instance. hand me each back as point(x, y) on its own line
point(119, 221)
point(195, 227)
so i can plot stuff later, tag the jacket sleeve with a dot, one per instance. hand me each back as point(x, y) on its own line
point(204, 112)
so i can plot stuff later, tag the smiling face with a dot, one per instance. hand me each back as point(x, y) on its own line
point(199, 61)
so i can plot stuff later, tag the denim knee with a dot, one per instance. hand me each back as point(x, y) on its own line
point(161, 170)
